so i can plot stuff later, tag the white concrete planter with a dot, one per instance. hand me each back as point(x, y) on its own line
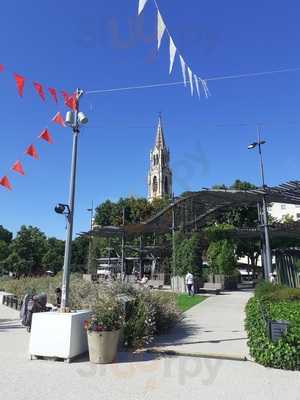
point(103, 346)
point(60, 335)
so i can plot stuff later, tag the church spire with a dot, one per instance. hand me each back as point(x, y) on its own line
point(160, 174)
point(160, 140)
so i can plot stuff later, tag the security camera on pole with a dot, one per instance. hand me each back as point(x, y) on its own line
point(61, 334)
point(74, 119)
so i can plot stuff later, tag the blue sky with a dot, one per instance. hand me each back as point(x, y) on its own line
point(103, 44)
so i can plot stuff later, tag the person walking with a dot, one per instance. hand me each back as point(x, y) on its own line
point(189, 281)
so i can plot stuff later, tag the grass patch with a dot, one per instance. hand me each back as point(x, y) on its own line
point(185, 302)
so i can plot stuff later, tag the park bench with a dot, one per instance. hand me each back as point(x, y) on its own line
point(154, 284)
point(211, 287)
point(11, 301)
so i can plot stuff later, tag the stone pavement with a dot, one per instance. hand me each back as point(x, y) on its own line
point(215, 326)
point(140, 376)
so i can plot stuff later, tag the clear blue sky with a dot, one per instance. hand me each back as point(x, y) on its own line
point(102, 44)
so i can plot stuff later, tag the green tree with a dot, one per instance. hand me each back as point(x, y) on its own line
point(27, 250)
point(14, 263)
point(188, 254)
point(288, 219)
point(5, 235)
point(79, 259)
point(221, 257)
point(53, 259)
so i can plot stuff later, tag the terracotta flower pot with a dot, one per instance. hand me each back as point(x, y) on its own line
point(103, 346)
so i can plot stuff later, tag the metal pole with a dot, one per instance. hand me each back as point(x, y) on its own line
point(141, 257)
point(173, 249)
point(90, 263)
point(268, 252)
point(68, 245)
point(123, 247)
point(262, 241)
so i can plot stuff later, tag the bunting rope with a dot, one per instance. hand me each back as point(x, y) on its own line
point(215, 78)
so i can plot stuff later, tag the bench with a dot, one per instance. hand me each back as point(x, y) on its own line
point(211, 287)
point(154, 284)
point(12, 301)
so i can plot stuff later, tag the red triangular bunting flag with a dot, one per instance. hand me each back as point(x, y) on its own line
point(65, 95)
point(31, 151)
point(58, 119)
point(39, 89)
point(45, 135)
point(5, 182)
point(20, 83)
point(52, 91)
point(71, 102)
point(17, 167)
point(1, 67)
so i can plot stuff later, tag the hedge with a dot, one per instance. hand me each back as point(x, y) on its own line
point(274, 302)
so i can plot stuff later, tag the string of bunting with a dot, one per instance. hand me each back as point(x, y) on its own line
point(45, 135)
point(188, 75)
point(31, 151)
point(20, 80)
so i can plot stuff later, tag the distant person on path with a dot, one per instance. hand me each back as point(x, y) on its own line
point(189, 281)
point(272, 278)
point(58, 297)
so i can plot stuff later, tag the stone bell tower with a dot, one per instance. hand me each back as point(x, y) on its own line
point(160, 174)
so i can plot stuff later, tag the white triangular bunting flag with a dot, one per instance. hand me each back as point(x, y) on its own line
point(161, 27)
point(191, 80)
point(205, 88)
point(197, 84)
point(142, 4)
point(183, 69)
point(172, 54)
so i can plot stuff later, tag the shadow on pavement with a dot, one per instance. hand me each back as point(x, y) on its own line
point(123, 357)
point(180, 332)
point(200, 341)
point(7, 324)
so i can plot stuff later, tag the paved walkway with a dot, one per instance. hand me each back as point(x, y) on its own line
point(215, 326)
point(141, 376)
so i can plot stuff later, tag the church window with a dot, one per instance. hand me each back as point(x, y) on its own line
point(155, 185)
point(166, 185)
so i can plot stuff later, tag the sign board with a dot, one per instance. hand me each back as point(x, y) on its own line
point(277, 329)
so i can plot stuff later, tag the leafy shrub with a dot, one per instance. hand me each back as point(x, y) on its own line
point(265, 288)
point(108, 315)
point(268, 291)
point(150, 313)
point(274, 302)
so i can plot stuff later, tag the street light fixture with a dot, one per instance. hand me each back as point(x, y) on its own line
point(62, 209)
point(254, 144)
point(268, 253)
point(74, 119)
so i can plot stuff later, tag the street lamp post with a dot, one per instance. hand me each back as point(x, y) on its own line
point(73, 119)
point(90, 256)
point(268, 253)
point(123, 248)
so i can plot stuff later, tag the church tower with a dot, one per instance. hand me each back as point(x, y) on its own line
point(160, 174)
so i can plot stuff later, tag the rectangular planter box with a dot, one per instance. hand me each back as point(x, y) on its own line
point(56, 334)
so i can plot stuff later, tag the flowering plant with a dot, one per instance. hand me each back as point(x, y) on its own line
point(107, 315)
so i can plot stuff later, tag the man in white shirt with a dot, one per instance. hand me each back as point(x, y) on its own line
point(189, 281)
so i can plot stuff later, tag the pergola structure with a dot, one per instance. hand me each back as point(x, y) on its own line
point(191, 212)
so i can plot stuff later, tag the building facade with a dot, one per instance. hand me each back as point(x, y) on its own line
point(160, 174)
point(282, 212)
